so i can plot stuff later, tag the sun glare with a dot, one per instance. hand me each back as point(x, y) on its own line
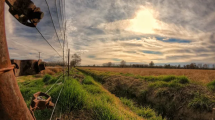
point(144, 22)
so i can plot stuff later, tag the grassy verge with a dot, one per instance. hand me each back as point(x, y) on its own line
point(28, 87)
point(81, 98)
point(87, 95)
point(173, 97)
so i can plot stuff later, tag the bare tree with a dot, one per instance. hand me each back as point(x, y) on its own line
point(76, 60)
point(123, 63)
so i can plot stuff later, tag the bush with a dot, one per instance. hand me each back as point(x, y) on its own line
point(211, 85)
point(46, 78)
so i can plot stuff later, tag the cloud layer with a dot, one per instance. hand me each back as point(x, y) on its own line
point(176, 31)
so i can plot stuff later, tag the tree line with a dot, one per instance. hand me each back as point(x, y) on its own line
point(76, 61)
point(152, 65)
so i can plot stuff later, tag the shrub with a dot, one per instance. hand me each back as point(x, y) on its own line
point(46, 78)
point(211, 85)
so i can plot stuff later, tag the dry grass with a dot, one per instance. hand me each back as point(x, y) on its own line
point(52, 70)
point(200, 76)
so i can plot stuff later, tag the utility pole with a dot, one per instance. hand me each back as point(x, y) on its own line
point(12, 104)
point(39, 55)
point(68, 60)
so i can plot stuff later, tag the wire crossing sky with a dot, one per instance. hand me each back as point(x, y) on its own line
point(137, 31)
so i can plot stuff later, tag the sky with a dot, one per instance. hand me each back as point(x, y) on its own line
point(137, 31)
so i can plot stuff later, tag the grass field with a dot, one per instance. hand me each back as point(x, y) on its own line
point(82, 98)
point(174, 97)
point(202, 76)
point(91, 93)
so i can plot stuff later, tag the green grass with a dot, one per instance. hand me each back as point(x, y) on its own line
point(200, 102)
point(211, 85)
point(87, 80)
point(168, 95)
point(47, 78)
point(106, 104)
point(29, 87)
point(145, 112)
point(87, 96)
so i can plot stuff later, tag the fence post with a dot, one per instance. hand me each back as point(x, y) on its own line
point(12, 104)
point(68, 60)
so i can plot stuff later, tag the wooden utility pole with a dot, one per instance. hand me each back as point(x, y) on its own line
point(68, 60)
point(12, 104)
point(39, 55)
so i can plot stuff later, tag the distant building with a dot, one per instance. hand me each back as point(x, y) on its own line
point(28, 67)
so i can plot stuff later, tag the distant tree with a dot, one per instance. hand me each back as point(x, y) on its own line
point(109, 64)
point(94, 65)
point(123, 63)
point(179, 66)
point(76, 60)
point(151, 64)
point(192, 66)
point(213, 66)
point(199, 65)
point(167, 66)
point(205, 66)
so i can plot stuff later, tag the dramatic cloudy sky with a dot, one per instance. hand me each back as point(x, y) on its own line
point(137, 31)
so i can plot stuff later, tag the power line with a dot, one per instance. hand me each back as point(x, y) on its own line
point(56, 103)
point(53, 22)
point(43, 36)
point(61, 13)
point(27, 46)
point(47, 41)
point(53, 85)
point(58, 17)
